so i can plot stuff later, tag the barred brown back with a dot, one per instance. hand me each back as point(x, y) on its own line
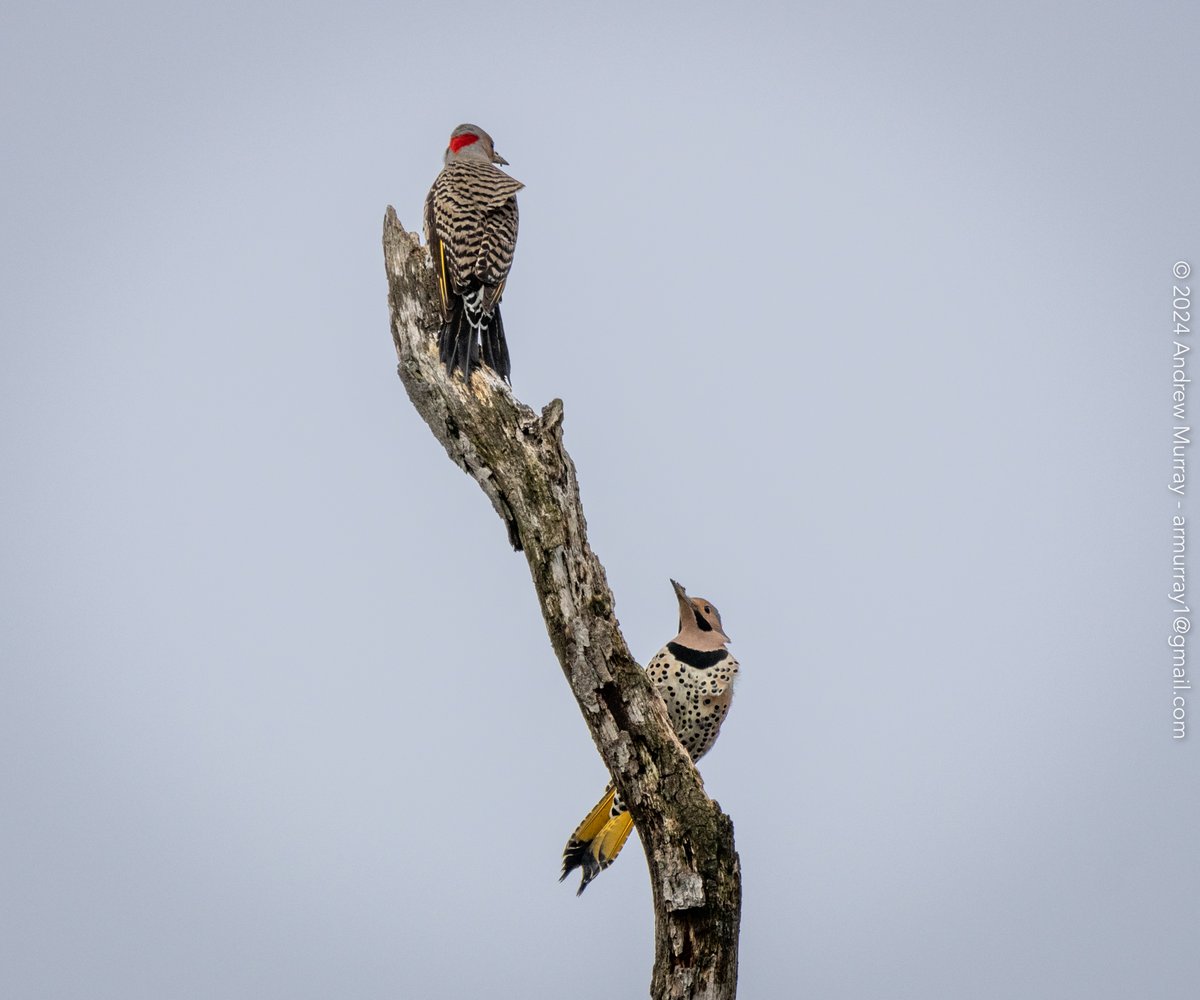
point(472, 209)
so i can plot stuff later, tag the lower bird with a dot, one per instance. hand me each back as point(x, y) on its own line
point(694, 674)
point(471, 229)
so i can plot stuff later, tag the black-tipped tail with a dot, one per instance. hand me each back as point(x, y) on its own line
point(468, 335)
point(598, 840)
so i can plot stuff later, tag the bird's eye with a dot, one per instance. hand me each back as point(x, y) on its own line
point(707, 610)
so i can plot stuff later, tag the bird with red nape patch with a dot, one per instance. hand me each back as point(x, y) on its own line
point(471, 230)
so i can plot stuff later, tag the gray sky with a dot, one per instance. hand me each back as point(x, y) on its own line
point(861, 315)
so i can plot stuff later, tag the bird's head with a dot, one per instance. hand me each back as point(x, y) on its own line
point(699, 622)
point(470, 142)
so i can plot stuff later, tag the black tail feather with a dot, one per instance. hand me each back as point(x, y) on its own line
point(455, 341)
point(449, 334)
point(495, 347)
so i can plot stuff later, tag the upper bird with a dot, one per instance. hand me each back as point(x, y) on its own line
point(471, 229)
point(694, 675)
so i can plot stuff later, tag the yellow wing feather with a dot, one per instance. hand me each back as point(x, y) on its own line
point(442, 275)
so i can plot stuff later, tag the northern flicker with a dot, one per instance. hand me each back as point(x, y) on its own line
point(694, 674)
point(471, 229)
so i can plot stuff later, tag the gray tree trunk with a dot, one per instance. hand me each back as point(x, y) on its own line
point(519, 461)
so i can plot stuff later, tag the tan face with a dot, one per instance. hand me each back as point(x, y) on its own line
point(705, 613)
point(698, 613)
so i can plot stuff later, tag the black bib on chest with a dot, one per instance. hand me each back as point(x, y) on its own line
point(696, 658)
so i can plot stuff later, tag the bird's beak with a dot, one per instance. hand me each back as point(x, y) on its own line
point(497, 158)
point(685, 606)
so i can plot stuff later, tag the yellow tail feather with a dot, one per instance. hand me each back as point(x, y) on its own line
point(596, 820)
point(598, 840)
point(607, 846)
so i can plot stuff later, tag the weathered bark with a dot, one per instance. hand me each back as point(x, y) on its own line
point(519, 461)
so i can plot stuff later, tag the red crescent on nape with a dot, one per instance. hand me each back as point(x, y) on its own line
point(459, 141)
